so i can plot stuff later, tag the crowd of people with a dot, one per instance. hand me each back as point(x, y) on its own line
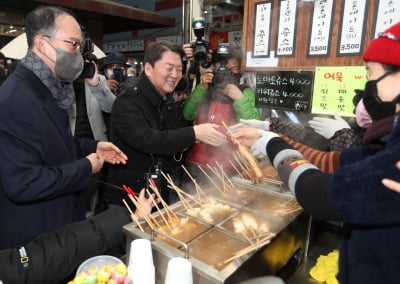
point(63, 134)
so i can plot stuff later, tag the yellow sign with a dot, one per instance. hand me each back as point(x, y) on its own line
point(334, 89)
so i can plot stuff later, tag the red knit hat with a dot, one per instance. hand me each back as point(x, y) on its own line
point(385, 48)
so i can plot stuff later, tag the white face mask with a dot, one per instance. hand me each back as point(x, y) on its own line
point(109, 72)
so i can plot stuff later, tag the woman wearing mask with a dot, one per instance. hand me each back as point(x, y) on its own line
point(354, 193)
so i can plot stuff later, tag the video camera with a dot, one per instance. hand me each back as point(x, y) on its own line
point(223, 75)
point(200, 46)
point(87, 53)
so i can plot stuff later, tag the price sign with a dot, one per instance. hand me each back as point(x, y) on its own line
point(284, 89)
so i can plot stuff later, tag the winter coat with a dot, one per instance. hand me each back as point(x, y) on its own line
point(139, 128)
point(353, 194)
point(99, 99)
point(42, 166)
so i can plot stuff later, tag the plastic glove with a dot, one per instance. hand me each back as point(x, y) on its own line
point(251, 123)
point(259, 148)
point(327, 127)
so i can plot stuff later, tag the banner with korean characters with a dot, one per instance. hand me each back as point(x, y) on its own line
point(334, 89)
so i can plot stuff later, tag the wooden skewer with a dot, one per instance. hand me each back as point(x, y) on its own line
point(224, 174)
point(244, 169)
point(212, 181)
point(158, 209)
point(170, 212)
point(141, 211)
point(132, 214)
point(195, 199)
point(241, 253)
point(197, 186)
point(236, 169)
point(165, 205)
point(219, 177)
point(181, 191)
point(250, 248)
point(184, 202)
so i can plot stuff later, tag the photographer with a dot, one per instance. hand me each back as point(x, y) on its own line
point(219, 98)
point(114, 68)
point(89, 111)
point(197, 52)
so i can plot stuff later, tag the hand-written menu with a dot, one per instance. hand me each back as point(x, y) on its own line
point(262, 29)
point(334, 89)
point(388, 13)
point(287, 25)
point(352, 29)
point(284, 89)
point(320, 34)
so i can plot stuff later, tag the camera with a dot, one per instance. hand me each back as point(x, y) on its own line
point(200, 46)
point(118, 74)
point(87, 53)
point(183, 86)
point(223, 75)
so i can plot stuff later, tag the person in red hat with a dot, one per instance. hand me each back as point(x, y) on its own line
point(354, 193)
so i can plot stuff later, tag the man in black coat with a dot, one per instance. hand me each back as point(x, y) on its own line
point(43, 167)
point(140, 128)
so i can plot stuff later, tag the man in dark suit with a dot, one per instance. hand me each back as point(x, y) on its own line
point(43, 168)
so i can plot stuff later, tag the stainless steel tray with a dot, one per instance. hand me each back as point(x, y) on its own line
point(217, 240)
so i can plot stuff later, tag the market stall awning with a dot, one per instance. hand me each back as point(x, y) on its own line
point(115, 17)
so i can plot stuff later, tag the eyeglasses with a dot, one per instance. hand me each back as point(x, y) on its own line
point(77, 45)
point(389, 36)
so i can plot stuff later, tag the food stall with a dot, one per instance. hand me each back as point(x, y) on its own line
point(249, 229)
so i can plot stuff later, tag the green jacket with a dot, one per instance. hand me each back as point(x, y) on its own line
point(244, 108)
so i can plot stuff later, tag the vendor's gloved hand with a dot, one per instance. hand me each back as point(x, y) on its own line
point(251, 123)
point(259, 148)
point(327, 127)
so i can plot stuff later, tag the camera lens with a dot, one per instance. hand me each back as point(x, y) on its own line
point(118, 74)
point(200, 53)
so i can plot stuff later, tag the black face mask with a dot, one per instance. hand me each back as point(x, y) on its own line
point(376, 108)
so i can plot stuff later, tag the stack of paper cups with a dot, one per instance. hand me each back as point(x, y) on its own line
point(179, 271)
point(141, 266)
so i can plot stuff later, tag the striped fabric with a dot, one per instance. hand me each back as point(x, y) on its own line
point(327, 162)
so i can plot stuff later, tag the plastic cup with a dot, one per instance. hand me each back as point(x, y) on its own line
point(142, 274)
point(140, 253)
point(179, 271)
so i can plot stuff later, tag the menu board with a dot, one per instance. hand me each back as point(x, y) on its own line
point(284, 89)
point(334, 89)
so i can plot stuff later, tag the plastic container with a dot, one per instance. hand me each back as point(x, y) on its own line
point(98, 261)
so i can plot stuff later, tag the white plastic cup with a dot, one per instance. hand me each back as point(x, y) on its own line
point(179, 271)
point(140, 253)
point(142, 274)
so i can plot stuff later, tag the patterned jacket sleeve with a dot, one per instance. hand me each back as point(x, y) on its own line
point(344, 138)
point(327, 162)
